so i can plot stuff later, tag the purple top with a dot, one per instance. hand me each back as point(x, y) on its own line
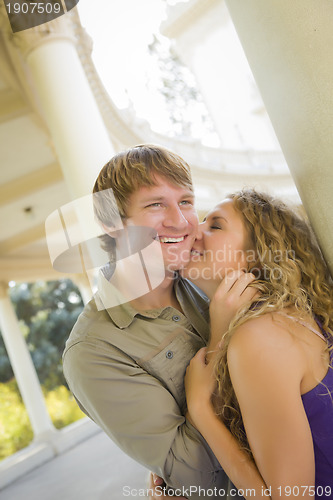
point(318, 405)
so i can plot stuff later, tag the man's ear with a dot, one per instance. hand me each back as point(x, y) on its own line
point(110, 230)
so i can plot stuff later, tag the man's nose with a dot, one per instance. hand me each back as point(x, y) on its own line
point(175, 218)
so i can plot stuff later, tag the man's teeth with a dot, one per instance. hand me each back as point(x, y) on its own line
point(172, 240)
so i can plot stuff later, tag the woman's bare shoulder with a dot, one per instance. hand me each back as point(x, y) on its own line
point(268, 332)
point(265, 345)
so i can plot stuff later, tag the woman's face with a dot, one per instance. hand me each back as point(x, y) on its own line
point(221, 246)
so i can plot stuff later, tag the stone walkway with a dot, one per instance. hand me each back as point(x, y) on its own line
point(95, 469)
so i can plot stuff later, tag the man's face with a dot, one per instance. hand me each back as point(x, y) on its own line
point(169, 209)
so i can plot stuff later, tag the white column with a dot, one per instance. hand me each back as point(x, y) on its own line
point(67, 104)
point(77, 129)
point(289, 48)
point(24, 369)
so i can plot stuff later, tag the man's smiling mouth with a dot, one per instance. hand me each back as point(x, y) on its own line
point(171, 239)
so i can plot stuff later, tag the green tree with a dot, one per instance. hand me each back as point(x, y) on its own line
point(6, 372)
point(47, 312)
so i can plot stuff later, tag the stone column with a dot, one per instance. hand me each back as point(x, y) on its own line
point(68, 105)
point(289, 47)
point(24, 369)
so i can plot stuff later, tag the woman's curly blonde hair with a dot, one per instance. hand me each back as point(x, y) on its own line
point(291, 271)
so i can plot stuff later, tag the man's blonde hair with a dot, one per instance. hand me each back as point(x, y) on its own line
point(128, 171)
point(137, 167)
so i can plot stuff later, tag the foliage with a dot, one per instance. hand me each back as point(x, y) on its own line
point(6, 372)
point(47, 312)
point(15, 428)
point(62, 407)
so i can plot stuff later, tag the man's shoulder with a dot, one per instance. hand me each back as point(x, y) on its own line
point(90, 322)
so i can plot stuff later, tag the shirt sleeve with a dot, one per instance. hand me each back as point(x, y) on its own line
point(140, 415)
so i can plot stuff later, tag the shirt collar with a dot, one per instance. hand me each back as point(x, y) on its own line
point(122, 313)
point(193, 302)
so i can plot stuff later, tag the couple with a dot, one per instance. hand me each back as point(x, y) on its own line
point(268, 426)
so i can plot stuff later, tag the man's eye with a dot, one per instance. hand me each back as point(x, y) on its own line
point(153, 205)
point(186, 202)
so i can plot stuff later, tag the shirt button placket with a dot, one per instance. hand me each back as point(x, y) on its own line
point(169, 354)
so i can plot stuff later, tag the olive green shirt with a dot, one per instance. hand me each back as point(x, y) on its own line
point(126, 370)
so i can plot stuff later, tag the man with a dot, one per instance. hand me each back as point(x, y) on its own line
point(125, 364)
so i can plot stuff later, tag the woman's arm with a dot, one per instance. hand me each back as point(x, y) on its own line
point(266, 366)
point(199, 385)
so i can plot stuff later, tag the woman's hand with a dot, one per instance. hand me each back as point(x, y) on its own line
point(231, 295)
point(200, 384)
point(156, 485)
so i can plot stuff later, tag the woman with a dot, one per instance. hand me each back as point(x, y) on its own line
point(274, 430)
